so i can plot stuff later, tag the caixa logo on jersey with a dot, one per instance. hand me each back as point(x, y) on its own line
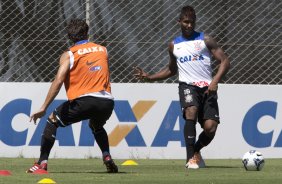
point(127, 128)
point(250, 126)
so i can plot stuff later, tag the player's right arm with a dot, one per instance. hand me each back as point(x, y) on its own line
point(55, 86)
point(168, 71)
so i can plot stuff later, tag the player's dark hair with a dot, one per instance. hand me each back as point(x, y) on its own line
point(77, 30)
point(187, 11)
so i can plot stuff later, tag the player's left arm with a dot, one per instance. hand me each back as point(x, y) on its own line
point(221, 57)
point(168, 71)
point(55, 86)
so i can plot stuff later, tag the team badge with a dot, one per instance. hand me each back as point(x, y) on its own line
point(186, 91)
point(188, 98)
point(197, 46)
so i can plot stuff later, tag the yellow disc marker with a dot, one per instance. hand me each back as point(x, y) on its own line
point(46, 181)
point(129, 162)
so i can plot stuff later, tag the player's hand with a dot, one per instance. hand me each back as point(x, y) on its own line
point(37, 115)
point(140, 74)
point(212, 88)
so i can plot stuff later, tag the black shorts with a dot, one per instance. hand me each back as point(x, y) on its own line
point(195, 96)
point(97, 110)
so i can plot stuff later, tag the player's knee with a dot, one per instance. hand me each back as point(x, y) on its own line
point(190, 113)
point(210, 127)
point(54, 120)
point(50, 130)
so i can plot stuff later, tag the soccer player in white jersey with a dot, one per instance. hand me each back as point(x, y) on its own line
point(190, 57)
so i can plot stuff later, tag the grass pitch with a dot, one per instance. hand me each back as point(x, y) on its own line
point(83, 171)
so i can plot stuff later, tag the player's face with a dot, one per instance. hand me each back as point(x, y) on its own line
point(187, 25)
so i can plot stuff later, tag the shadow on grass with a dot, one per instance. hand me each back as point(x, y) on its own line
point(221, 167)
point(88, 172)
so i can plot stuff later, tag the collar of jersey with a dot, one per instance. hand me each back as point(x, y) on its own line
point(192, 37)
point(81, 42)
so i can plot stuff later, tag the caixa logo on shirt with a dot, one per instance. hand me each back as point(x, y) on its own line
point(126, 129)
point(194, 57)
point(253, 135)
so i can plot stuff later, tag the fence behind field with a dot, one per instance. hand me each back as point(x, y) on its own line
point(137, 33)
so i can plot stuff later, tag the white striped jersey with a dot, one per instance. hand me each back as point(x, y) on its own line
point(193, 60)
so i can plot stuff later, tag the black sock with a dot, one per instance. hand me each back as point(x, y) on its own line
point(47, 141)
point(101, 138)
point(190, 138)
point(203, 141)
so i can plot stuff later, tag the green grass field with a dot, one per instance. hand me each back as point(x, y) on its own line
point(82, 171)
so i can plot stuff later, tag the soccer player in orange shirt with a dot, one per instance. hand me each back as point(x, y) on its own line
point(84, 71)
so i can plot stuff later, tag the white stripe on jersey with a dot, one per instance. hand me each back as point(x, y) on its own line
point(71, 59)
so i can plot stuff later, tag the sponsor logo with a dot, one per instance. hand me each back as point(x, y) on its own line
point(194, 57)
point(251, 133)
point(89, 50)
point(95, 68)
point(201, 83)
point(91, 62)
point(127, 128)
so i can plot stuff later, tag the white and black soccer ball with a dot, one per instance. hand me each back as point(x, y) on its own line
point(253, 161)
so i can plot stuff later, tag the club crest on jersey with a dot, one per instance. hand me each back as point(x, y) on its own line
point(197, 46)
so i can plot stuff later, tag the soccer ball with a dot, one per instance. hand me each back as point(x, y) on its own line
point(253, 161)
